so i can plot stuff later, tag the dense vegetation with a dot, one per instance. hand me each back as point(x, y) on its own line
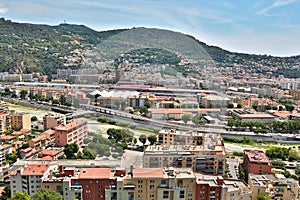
point(290, 126)
point(26, 48)
point(282, 153)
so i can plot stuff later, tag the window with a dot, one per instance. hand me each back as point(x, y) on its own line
point(181, 194)
point(165, 194)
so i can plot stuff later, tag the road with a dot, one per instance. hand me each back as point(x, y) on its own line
point(232, 164)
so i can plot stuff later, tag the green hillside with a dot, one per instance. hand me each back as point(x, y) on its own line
point(26, 48)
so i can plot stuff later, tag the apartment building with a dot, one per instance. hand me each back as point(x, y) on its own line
point(256, 162)
point(20, 121)
point(5, 122)
point(94, 181)
point(175, 137)
point(276, 186)
point(43, 140)
point(200, 152)
point(154, 183)
point(216, 187)
point(52, 120)
point(73, 132)
point(214, 101)
point(27, 178)
point(86, 181)
point(80, 183)
point(4, 149)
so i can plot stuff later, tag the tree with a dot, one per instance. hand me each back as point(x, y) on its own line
point(7, 90)
point(70, 150)
point(6, 193)
point(263, 196)
point(254, 106)
point(152, 139)
point(11, 157)
point(185, 118)
point(147, 104)
point(239, 106)
point(135, 141)
point(89, 154)
point(34, 118)
point(143, 139)
point(62, 99)
point(20, 196)
point(55, 101)
point(46, 195)
point(143, 109)
point(197, 119)
point(23, 94)
point(293, 155)
point(230, 105)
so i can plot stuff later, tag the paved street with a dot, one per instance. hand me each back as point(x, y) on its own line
point(232, 164)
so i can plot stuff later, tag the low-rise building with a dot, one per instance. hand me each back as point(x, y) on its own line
point(39, 142)
point(7, 138)
point(216, 187)
point(246, 116)
point(54, 154)
point(276, 186)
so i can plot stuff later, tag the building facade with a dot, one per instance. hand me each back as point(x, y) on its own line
point(53, 120)
point(73, 132)
point(200, 152)
point(20, 121)
point(256, 162)
point(276, 186)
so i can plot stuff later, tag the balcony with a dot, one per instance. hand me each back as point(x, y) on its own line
point(76, 188)
point(129, 187)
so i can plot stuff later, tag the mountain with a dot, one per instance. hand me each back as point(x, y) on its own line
point(26, 48)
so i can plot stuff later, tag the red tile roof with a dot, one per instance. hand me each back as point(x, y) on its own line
point(72, 124)
point(50, 152)
point(34, 169)
point(7, 137)
point(148, 173)
point(95, 173)
point(46, 158)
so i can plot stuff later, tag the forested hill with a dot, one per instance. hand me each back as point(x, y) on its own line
point(26, 48)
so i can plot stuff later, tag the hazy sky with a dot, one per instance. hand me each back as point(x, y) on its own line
point(254, 26)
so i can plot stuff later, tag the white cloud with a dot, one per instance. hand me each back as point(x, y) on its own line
point(277, 3)
point(3, 9)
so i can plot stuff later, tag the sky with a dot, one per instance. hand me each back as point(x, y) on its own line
point(269, 27)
